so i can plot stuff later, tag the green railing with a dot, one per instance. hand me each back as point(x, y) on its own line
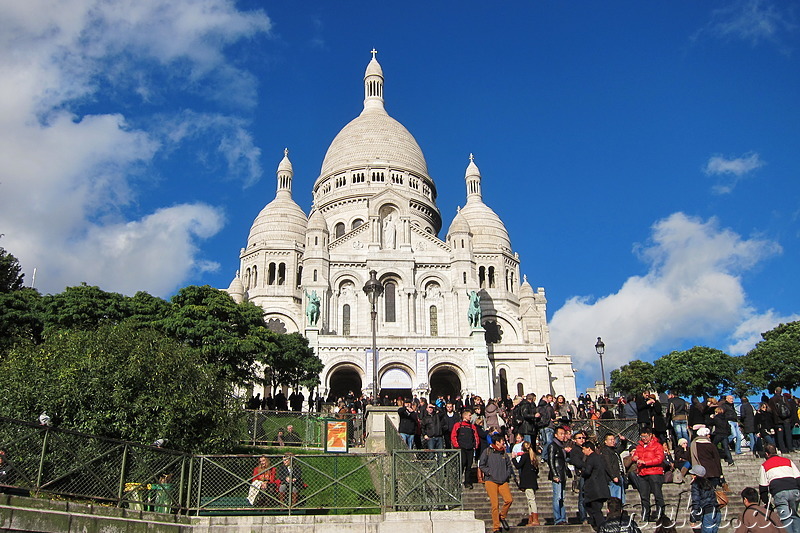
point(271, 427)
point(53, 461)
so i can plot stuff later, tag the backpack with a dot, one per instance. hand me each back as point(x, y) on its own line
point(782, 409)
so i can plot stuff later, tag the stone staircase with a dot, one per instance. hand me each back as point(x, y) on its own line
point(742, 474)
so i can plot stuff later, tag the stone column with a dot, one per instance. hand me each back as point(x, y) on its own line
point(483, 375)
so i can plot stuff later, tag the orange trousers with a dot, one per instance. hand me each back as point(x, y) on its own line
point(493, 489)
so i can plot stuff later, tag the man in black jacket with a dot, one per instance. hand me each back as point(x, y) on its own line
point(432, 427)
point(782, 417)
point(595, 486)
point(408, 423)
point(610, 450)
point(557, 461)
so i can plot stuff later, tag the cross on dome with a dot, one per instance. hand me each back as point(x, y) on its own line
point(285, 151)
point(471, 157)
point(373, 52)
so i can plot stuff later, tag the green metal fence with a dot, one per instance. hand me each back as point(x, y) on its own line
point(273, 428)
point(54, 461)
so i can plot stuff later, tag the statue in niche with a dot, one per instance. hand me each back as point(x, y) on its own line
point(474, 313)
point(389, 233)
point(312, 309)
point(432, 292)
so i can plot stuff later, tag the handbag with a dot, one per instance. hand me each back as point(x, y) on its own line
point(480, 475)
point(722, 498)
point(252, 492)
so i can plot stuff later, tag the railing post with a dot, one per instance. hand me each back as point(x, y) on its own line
point(255, 426)
point(181, 485)
point(41, 458)
point(200, 486)
point(189, 486)
point(122, 469)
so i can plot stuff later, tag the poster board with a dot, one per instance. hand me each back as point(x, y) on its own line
point(336, 432)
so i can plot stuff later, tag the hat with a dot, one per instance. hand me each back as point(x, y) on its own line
point(682, 441)
point(703, 432)
point(698, 470)
point(698, 426)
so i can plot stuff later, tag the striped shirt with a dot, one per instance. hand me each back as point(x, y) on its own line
point(777, 474)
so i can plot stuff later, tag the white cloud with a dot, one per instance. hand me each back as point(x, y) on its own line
point(748, 333)
point(731, 171)
point(692, 290)
point(752, 21)
point(69, 179)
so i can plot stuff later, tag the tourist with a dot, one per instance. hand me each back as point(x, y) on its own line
point(778, 481)
point(290, 476)
point(546, 416)
point(557, 461)
point(408, 423)
point(265, 481)
point(720, 431)
point(757, 518)
point(610, 451)
point(748, 417)
point(649, 458)
point(432, 427)
point(528, 465)
point(677, 415)
point(782, 418)
point(705, 453)
point(464, 437)
point(729, 412)
point(497, 471)
point(595, 488)
point(705, 511)
point(291, 437)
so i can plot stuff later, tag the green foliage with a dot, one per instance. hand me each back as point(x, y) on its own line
point(634, 378)
point(122, 382)
point(291, 362)
point(697, 371)
point(83, 307)
point(20, 318)
point(11, 276)
point(227, 334)
point(775, 361)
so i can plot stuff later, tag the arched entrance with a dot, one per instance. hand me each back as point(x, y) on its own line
point(444, 382)
point(396, 382)
point(503, 383)
point(344, 379)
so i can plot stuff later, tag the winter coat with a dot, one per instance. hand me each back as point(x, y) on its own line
point(747, 416)
point(557, 461)
point(526, 416)
point(408, 421)
point(720, 425)
point(433, 425)
point(706, 454)
point(596, 478)
point(612, 458)
point(492, 418)
point(756, 519)
point(652, 454)
point(765, 423)
point(528, 472)
point(696, 413)
point(496, 466)
point(704, 500)
point(465, 436)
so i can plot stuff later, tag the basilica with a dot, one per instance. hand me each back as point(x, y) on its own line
point(374, 209)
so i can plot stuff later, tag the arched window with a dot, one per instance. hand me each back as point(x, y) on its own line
point(356, 223)
point(255, 276)
point(346, 319)
point(282, 274)
point(271, 274)
point(389, 300)
point(491, 277)
point(338, 230)
point(247, 278)
point(520, 391)
point(315, 274)
point(482, 277)
point(316, 240)
point(299, 276)
point(434, 320)
point(465, 278)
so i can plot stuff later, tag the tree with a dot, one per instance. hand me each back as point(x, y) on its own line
point(291, 362)
point(123, 382)
point(83, 307)
point(20, 318)
point(775, 361)
point(11, 276)
point(697, 371)
point(227, 334)
point(634, 378)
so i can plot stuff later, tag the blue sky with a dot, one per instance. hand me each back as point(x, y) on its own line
point(643, 155)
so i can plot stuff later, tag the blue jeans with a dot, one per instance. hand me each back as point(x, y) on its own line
point(581, 499)
point(681, 428)
point(786, 506)
point(435, 443)
point(559, 512)
point(736, 437)
point(408, 439)
point(753, 442)
point(617, 490)
point(547, 438)
point(710, 521)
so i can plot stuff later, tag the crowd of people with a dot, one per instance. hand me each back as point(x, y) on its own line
point(679, 441)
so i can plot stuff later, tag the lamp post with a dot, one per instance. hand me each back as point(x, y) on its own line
point(373, 289)
point(601, 349)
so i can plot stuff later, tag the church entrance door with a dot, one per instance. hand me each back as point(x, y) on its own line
point(395, 382)
point(444, 382)
point(343, 380)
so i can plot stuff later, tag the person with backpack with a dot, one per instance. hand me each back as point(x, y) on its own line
point(464, 437)
point(782, 417)
point(497, 471)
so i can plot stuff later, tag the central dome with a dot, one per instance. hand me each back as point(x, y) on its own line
point(374, 137)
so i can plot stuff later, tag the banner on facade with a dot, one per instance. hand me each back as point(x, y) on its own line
point(422, 367)
point(368, 366)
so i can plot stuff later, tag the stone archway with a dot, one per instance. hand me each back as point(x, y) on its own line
point(343, 380)
point(395, 382)
point(444, 381)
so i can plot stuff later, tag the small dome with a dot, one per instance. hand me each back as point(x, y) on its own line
point(236, 289)
point(488, 231)
point(285, 165)
point(317, 221)
point(525, 290)
point(374, 68)
point(459, 224)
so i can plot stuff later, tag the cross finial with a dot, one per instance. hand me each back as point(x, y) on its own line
point(285, 152)
point(373, 52)
point(471, 157)
point(458, 209)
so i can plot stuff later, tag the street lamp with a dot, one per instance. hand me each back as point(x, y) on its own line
point(601, 349)
point(373, 290)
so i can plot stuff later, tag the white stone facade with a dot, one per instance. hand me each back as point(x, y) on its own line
point(375, 209)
